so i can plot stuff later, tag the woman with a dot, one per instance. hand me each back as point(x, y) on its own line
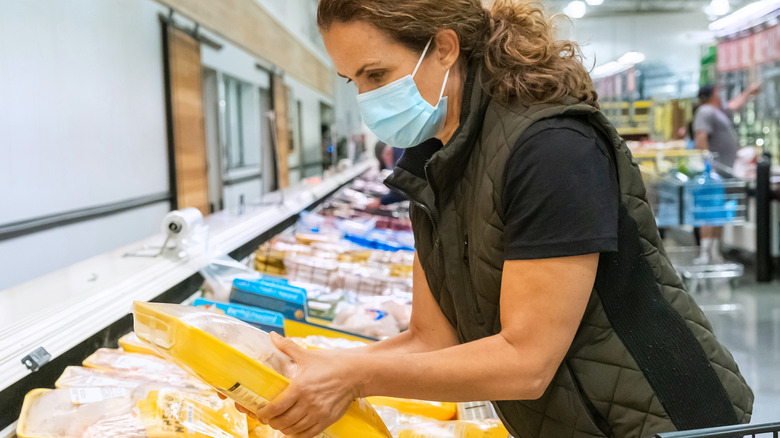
point(540, 280)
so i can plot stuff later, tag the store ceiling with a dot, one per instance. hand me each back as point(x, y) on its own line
point(623, 7)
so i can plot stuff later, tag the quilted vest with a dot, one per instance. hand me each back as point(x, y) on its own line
point(644, 359)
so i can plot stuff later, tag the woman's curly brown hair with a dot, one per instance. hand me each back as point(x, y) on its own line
point(514, 40)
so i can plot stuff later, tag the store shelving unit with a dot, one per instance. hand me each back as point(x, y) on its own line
point(66, 315)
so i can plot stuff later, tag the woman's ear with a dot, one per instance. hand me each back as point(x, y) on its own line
point(447, 47)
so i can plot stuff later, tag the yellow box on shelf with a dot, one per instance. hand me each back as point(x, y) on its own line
point(236, 359)
point(131, 344)
point(435, 410)
point(490, 428)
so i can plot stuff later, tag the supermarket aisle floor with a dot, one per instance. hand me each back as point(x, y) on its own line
point(746, 319)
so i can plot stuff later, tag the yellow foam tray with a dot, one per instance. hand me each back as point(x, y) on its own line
point(435, 410)
point(233, 373)
point(131, 344)
point(29, 400)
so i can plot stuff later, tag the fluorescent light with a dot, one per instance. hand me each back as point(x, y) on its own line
point(625, 62)
point(632, 58)
point(594, 2)
point(608, 69)
point(575, 9)
point(718, 7)
point(745, 18)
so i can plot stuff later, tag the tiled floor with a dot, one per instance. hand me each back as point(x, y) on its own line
point(747, 321)
point(746, 318)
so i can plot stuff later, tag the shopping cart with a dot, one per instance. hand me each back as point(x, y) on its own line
point(678, 201)
point(740, 431)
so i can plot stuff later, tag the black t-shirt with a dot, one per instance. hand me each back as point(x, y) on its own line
point(560, 192)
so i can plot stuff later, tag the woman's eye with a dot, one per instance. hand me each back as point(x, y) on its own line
point(376, 77)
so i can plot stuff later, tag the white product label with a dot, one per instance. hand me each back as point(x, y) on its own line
point(246, 397)
point(80, 396)
point(134, 363)
point(474, 411)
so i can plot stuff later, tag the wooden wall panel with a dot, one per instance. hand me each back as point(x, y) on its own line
point(246, 23)
point(283, 137)
point(189, 134)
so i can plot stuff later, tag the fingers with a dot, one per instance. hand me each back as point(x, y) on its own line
point(246, 411)
point(310, 432)
point(288, 347)
point(293, 421)
point(279, 405)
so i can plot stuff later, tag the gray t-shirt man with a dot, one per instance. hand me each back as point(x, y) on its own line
point(722, 138)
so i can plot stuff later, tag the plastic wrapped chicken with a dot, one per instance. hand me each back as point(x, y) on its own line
point(82, 377)
point(130, 343)
point(72, 412)
point(366, 321)
point(170, 413)
point(134, 364)
point(490, 428)
point(238, 360)
point(120, 412)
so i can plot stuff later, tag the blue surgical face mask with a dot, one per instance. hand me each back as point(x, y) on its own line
point(398, 114)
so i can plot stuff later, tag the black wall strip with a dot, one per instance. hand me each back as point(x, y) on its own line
point(243, 179)
point(34, 225)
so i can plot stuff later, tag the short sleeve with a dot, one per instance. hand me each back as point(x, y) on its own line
point(703, 120)
point(560, 194)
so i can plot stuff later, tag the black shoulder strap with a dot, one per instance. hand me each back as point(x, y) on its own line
point(657, 337)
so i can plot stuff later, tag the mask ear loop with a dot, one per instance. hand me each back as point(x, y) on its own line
point(444, 85)
point(419, 62)
point(428, 44)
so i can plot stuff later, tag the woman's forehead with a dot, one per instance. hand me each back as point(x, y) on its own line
point(353, 45)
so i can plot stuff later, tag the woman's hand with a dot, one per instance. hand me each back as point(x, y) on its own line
point(317, 396)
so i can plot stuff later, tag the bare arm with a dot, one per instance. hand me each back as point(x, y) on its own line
point(701, 140)
point(744, 97)
point(542, 304)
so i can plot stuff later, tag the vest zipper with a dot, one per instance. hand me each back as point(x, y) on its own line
point(477, 310)
point(422, 206)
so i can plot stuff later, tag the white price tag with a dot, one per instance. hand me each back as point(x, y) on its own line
point(80, 396)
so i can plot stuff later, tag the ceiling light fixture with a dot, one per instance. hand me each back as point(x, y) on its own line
point(632, 58)
point(594, 2)
point(575, 9)
point(718, 7)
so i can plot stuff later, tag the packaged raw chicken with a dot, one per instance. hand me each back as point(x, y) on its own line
point(366, 321)
point(491, 428)
point(135, 363)
point(82, 377)
point(131, 344)
point(55, 413)
point(435, 410)
point(327, 343)
point(236, 359)
point(170, 413)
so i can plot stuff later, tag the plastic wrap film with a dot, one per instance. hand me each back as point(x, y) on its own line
point(133, 363)
point(435, 410)
point(366, 321)
point(170, 413)
point(81, 377)
point(490, 428)
point(130, 343)
point(326, 343)
point(218, 276)
point(71, 412)
point(237, 359)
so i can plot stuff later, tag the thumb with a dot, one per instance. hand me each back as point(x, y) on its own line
point(287, 347)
